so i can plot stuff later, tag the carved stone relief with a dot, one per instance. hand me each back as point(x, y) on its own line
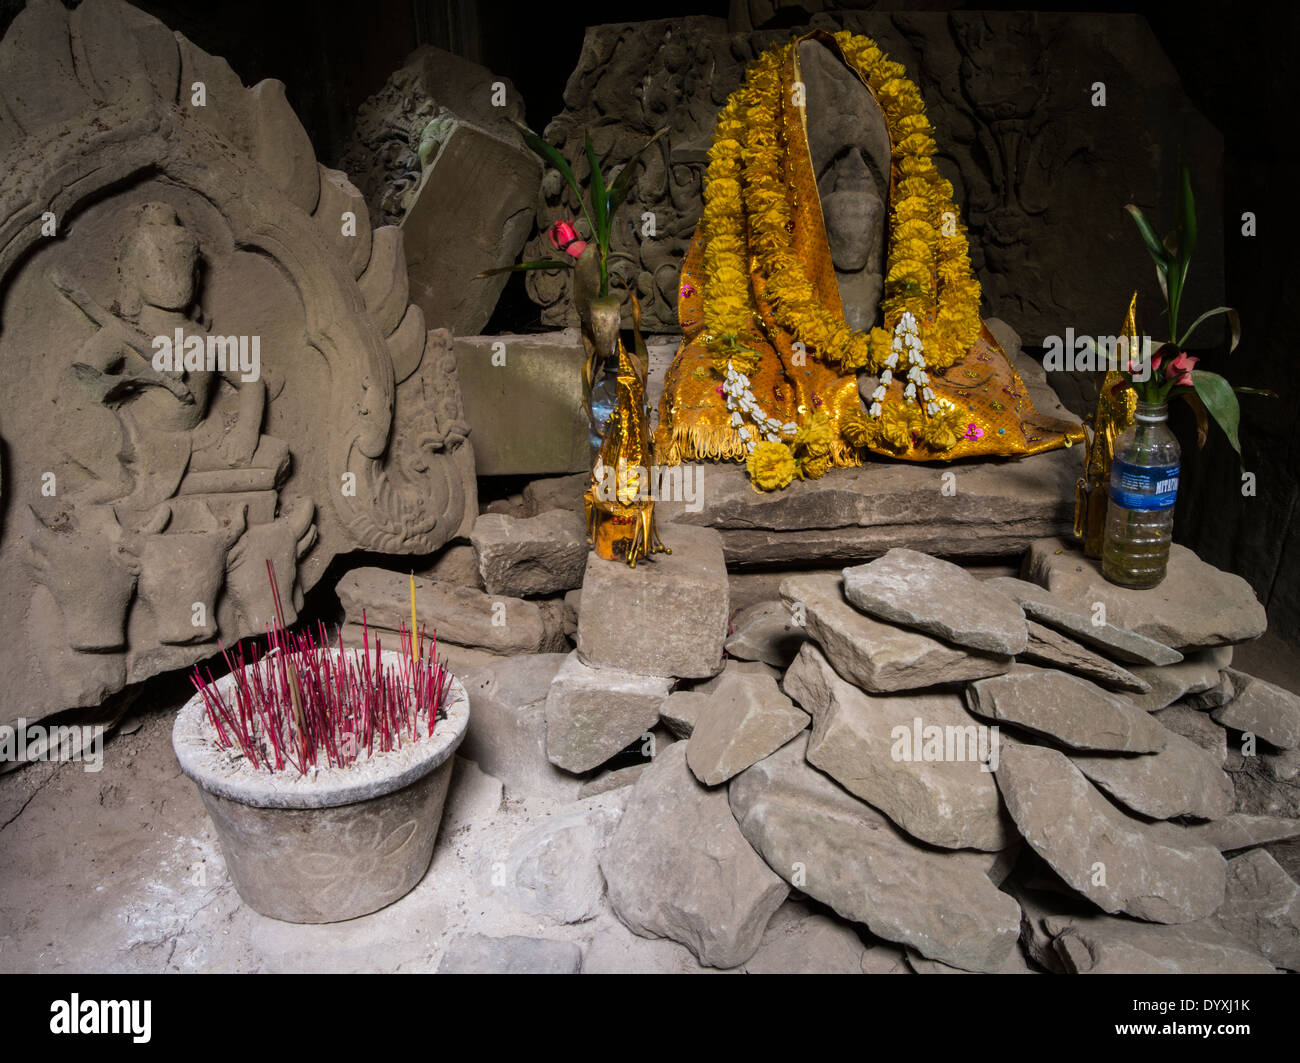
point(208, 361)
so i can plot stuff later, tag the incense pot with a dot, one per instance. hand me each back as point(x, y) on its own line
point(338, 842)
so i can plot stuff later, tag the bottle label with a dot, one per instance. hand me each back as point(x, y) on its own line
point(1144, 487)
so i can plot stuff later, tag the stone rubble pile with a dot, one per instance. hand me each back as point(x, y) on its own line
point(900, 767)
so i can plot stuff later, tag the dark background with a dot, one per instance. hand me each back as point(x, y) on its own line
point(1236, 66)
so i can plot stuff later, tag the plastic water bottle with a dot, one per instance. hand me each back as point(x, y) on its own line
point(1143, 488)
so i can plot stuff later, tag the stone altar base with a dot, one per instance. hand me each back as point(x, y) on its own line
point(984, 509)
point(980, 509)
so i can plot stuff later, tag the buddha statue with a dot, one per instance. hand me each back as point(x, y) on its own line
point(827, 303)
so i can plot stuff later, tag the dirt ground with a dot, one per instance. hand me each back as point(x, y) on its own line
point(120, 871)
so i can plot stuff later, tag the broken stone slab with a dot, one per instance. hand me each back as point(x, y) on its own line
point(747, 719)
point(458, 614)
point(805, 942)
point(1049, 647)
point(1119, 863)
point(764, 585)
point(1242, 830)
point(666, 617)
point(1056, 612)
point(1041, 894)
point(1182, 779)
point(1196, 726)
point(881, 958)
point(682, 710)
point(865, 742)
point(1066, 935)
point(1199, 671)
point(1066, 709)
point(507, 727)
point(481, 954)
point(844, 853)
point(536, 555)
point(555, 492)
point(918, 591)
point(764, 632)
point(510, 506)
point(1263, 709)
point(1103, 944)
point(592, 713)
point(1216, 696)
point(451, 211)
point(456, 563)
point(1197, 605)
point(1267, 784)
point(1000, 508)
point(732, 666)
point(678, 867)
point(1015, 964)
point(552, 870)
point(1262, 906)
point(531, 385)
point(878, 657)
point(611, 780)
point(383, 154)
point(614, 949)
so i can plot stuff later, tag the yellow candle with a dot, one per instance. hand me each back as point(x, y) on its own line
point(415, 657)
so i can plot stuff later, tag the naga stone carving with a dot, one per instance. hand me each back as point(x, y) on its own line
point(437, 152)
point(416, 109)
point(208, 361)
point(1041, 164)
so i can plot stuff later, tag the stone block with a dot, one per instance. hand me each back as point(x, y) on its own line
point(665, 617)
point(679, 867)
point(457, 614)
point(525, 415)
point(536, 555)
point(469, 214)
point(592, 713)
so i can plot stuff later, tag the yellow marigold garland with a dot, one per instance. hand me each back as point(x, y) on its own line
point(928, 267)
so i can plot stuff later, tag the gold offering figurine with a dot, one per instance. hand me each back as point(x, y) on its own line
point(1116, 407)
point(619, 507)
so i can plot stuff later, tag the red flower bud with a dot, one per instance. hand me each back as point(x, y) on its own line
point(1180, 369)
point(562, 234)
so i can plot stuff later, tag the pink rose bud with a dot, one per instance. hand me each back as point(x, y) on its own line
point(562, 234)
point(576, 248)
point(1180, 369)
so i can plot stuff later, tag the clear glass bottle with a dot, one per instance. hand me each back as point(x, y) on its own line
point(1143, 488)
point(604, 397)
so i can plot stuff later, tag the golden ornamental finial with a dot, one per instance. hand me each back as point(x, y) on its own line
point(1116, 407)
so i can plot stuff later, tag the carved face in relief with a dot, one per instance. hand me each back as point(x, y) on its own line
point(159, 261)
point(848, 139)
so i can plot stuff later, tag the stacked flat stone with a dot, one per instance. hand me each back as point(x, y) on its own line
point(1108, 765)
point(972, 775)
